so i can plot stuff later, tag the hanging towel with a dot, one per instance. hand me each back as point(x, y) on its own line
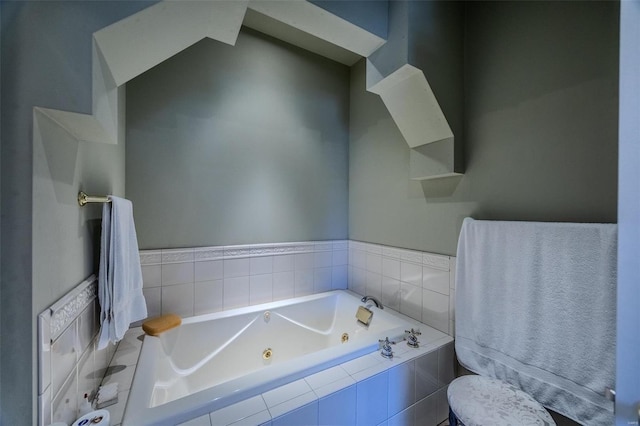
point(120, 276)
point(536, 307)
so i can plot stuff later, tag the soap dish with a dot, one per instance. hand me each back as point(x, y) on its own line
point(107, 395)
point(103, 404)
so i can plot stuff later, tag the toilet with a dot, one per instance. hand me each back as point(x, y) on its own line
point(481, 401)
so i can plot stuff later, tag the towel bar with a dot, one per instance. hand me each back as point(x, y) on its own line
point(84, 199)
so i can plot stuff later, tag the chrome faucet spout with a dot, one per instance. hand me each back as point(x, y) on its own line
point(375, 301)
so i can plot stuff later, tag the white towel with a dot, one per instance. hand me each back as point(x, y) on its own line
point(536, 307)
point(120, 276)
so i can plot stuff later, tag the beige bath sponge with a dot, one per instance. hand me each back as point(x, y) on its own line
point(157, 325)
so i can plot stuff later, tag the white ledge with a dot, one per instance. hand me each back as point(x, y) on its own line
point(413, 106)
point(143, 40)
point(81, 127)
point(320, 23)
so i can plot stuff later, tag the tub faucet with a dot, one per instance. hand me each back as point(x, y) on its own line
point(373, 299)
point(385, 348)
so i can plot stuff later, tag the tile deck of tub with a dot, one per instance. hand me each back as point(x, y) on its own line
point(368, 390)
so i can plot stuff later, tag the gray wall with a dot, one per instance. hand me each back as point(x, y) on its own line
point(540, 130)
point(368, 14)
point(232, 145)
point(436, 46)
point(0, 211)
point(46, 61)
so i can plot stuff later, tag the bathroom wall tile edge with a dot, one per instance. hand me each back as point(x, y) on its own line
point(178, 255)
point(418, 284)
point(69, 363)
point(186, 254)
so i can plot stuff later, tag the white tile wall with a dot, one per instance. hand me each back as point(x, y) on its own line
point(338, 408)
point(374, 284)
point(177, 273)
point(283, 285)
point(151, 275)
point(178, 299)
point(235, 268)
point(418, 284)
point(303, 261)
point(322, 279)
point(403, 418)
point(283, 263)
point(426, 410)
point(207, 270)
point(339, 276)
point(340, 257)
point(371, 401)
point(305, 415)
point(359, 281)
point(239, 411)
point(303, 282)
point(65, 404)
point(435, 310)
point(64, 356)
point(260, 288)
point(285, 393)
point(207, 297)
point(402, 392)
point(452, 296)
point(199, 421)
point(391, 292)
point(153, 297)
point(69, 363)
point(323, 259)
point(235, 293)
point(121, 370)
point(261, 265)
point(426, 375)
point(210, 279)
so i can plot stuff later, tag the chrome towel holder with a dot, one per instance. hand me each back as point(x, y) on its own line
point(83, 199)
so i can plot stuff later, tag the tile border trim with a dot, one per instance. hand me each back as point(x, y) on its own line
point(71, 305)
point(199, 254)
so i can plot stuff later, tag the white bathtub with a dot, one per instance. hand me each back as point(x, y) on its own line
point(215, 360)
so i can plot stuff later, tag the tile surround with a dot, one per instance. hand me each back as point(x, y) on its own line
point(207, 297)
point(367, 390)
point(69, 363)
point(418, 284)
point(372, 393)
point(193, 281)
point(202, 280)
point(338, 408)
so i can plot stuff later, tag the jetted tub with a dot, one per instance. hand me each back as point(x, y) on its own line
point(215, 360)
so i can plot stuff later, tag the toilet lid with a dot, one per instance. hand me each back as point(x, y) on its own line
point(481, 401)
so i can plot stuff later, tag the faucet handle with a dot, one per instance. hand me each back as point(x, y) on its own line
point(412, 340)
point(386, 342)
point(385, 348)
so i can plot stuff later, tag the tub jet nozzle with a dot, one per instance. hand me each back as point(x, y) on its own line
point(267, 353)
